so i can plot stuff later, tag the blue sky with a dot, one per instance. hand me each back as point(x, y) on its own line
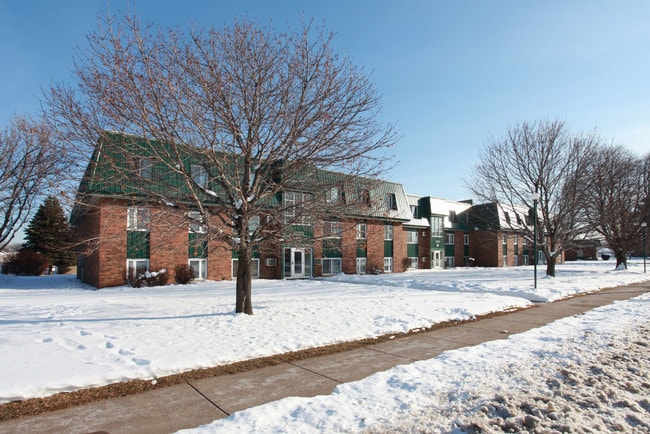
point(452, 73)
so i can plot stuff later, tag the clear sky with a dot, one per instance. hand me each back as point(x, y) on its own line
point(452, 73)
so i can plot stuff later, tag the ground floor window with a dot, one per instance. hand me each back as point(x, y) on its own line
point(200, 267)
point(388, 265)
point(412, 263)
point(516, 260)
point(135, 268)
point(505, 260)
point(361, 265)
point(331, 266)
point(255, 265)
point(449, 262)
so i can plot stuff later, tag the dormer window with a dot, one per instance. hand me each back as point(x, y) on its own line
point(414, 211)
point(391, 201)
point(199, 175)
point(452, 216)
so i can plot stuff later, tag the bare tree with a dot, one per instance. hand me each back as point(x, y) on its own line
point(261, 114)
point(30, 167)
point(615, 196)
point(541, 157)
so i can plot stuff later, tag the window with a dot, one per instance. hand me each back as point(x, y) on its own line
point(452, 216)
point(449, 262)
point(196, 225)
point(412, 263)
point(135, 268)
point(271, 262)
point(388, 232)
point(361, 265)
point(200, 267)
point(449, 239)
point(391, 201)
point(412, 237)
point(507, 214)
point(388, 265)
point(253, 223)
point(138, 219)
point(505, 260)
point(331, 266)
point(144, 168)
point(364, 197)
point(504, 239)
point(525, 259)
point(466, 239)
point(332, 229)
point(199, 175)
point(414, 211)
point(332, 195)
point(294, 212)
point(255, 265)
point(361, 231)
point(437, 226)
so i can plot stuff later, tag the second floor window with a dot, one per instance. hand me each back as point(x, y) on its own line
point(144, 167)
point(332, 229)
point(138, 219)
point(449, 239)
point(361, 231)
point(388, 232)
point(437, 226)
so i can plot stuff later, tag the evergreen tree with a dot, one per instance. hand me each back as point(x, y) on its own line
point(50, 234)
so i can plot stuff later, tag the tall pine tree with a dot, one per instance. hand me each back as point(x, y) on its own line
point(50, 234)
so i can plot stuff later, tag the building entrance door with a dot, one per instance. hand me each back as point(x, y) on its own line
point(437, 259)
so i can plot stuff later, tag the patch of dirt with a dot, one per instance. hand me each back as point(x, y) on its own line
point(34, 406)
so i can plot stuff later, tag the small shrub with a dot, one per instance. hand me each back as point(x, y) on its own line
point(150, 278)
point(183, 274)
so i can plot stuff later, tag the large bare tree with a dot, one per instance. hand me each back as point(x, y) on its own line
point(542, 157)
point(616, 191)
point(30, 167)
point(264, 112)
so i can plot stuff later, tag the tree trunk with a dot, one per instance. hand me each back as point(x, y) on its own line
point(244, 303)
point(621, 259)
point(550, 264)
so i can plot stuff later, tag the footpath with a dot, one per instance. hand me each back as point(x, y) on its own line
point(199, 402)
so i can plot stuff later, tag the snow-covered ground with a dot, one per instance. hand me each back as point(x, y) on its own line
point(58, 335)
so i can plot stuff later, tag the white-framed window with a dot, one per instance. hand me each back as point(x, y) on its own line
point(504, 239)
point(449, 239)
point(449, 262)
point(505, 260)
point(200, 267)
point(388, 232)
point(411, 237)
point(255, 265)
point(271, 262)
point(362, 231)
point(138, 219)
point(437, 226)
point(196, 223)
point(452, 216)
point(199, 175)
point(294, 208)
point(413, 263)
point(525, 259)
point(516, 260)
point(361, 265)
point(388, 265)
point(331, 266)
point(136, 267)
point(466, 239)
point(414, 211)
point(331, 229)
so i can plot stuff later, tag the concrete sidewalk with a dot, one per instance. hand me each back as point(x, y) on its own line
point(199, 402)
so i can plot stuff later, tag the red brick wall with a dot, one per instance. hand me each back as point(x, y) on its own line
point(485, 247)
point(112, 244)
point(349, 247)
point(375, 246)
point(168, 241)
point(219, 260)
point(399, 248)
